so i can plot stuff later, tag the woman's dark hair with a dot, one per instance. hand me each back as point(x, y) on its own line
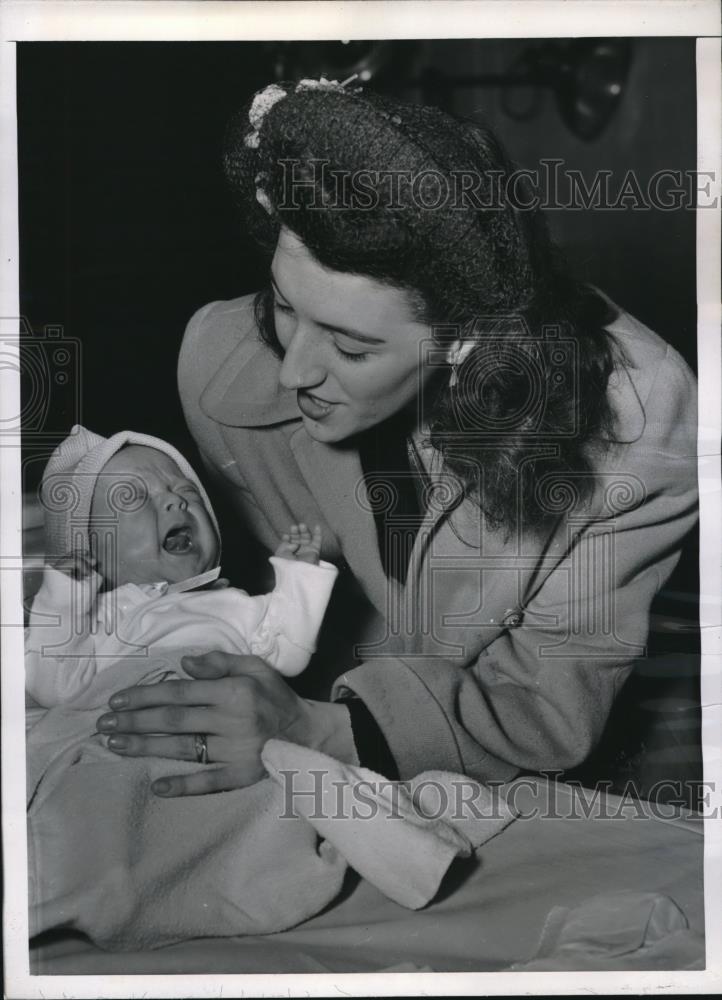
point(423, 201)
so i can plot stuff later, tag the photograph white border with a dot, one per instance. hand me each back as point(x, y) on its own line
point(86, 20)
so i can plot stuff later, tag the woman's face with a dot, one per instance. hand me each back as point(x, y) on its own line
point(353, 350)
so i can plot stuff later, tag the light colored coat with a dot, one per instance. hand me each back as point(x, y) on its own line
point(499, 654)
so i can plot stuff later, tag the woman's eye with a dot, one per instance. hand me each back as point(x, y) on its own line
point(282, 307)
point(351, 355)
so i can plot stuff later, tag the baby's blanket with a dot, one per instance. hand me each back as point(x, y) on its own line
point(134, 871)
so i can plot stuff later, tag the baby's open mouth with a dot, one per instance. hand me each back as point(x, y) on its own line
point(179, 540)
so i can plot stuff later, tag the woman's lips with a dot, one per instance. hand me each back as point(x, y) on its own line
point(312, 406)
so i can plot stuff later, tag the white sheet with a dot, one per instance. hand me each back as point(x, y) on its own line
point(489, 913)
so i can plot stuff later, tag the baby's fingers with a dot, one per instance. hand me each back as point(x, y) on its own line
point(288, 546)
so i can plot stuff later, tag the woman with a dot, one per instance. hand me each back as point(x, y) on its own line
point(502, 462)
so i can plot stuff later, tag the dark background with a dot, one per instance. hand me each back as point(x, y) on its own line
point(126, 227)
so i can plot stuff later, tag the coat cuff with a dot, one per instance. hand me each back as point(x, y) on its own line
point(371, 746)
point(413, 723)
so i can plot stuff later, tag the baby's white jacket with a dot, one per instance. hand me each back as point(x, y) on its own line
point(74, 632)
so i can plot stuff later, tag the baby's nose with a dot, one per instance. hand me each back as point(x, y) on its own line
point(172, 501)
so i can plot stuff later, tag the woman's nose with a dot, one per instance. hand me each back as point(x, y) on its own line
point(301, 368)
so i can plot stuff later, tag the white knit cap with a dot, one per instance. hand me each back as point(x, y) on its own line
point(70, 477)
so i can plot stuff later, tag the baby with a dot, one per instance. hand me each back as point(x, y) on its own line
point(132, 545)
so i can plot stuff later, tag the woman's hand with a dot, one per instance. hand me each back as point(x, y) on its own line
point(237, 703)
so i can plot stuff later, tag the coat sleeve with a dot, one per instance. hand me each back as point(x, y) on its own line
point(539, 695)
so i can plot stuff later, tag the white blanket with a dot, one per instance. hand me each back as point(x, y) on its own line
point(132, 870)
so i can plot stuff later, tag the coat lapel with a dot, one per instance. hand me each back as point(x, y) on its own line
point(245, 391)
point(463, 578)
point(335, 478)
point(468, 577)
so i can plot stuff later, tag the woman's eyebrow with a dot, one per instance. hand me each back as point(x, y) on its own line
point(365, 338)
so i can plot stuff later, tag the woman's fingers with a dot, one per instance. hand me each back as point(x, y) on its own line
point(212, 666)
point(216, 664)
point(166, 719)
point(197, 706)
point(175, 747)
point(222, 779)
point(150, 695)
point(237, 703)
point(200, 783)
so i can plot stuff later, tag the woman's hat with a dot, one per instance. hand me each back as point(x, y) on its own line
point(386, 188)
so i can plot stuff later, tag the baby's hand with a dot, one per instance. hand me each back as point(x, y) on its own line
point(301, 544)
point(78, 565)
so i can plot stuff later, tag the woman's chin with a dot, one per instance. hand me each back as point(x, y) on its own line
point(328, 431)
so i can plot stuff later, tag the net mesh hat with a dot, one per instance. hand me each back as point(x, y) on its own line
point(471, 246)
point(70, 478)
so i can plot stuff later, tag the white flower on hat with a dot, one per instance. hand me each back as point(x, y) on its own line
point(324, 84)
point(272, 94)
point(262, 104)
point(262, 196)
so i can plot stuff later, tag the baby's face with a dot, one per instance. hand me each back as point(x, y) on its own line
point(166, 534)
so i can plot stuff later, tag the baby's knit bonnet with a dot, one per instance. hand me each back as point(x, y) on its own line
point(70, 478)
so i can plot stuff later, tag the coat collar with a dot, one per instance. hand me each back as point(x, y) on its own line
point(246, 392)
point(622, 389)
